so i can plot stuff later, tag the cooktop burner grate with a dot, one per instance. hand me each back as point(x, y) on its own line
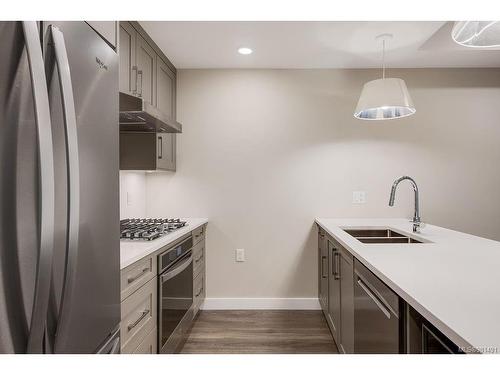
point(148, 229)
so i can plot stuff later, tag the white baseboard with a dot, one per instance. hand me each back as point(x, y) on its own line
point(261, 304)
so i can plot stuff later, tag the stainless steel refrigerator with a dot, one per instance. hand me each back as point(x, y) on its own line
point(59, 193)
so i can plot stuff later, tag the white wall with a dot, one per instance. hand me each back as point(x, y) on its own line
point(132, 194)
point(264, 152)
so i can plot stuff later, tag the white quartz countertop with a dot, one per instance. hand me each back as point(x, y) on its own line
point(453, 280)
point(131, 251)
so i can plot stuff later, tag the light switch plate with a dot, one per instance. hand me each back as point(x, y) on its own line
point(129, 198)
point(240, 255)
point(358, 197)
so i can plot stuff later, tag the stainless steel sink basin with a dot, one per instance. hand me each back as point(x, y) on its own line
point(382, 235)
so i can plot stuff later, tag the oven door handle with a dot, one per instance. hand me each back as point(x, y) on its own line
point(177, 270)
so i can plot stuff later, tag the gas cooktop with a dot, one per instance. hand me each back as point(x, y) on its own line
point(148, 229)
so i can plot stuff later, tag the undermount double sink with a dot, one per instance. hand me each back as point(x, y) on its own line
point(381, 235)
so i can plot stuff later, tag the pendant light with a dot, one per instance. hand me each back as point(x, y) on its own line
point(477, 33)
point(385, 98)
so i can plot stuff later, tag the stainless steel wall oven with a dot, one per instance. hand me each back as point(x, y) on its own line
point(175, 294)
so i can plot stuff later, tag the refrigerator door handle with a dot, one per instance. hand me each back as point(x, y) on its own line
point(46, 187)
point(56, 38)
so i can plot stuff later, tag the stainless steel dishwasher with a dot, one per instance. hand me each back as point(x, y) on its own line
point(376, 314)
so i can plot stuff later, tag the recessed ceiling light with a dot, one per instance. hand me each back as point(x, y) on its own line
point(245, 51)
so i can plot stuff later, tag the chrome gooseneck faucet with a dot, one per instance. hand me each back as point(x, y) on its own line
point(416, 216)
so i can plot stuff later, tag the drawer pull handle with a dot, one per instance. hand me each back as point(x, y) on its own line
point(133, 278)
point(134, 324)
point(197, 295)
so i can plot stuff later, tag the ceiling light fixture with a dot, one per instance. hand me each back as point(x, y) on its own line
point(478, 34)
point(244, 51)
point(385, 98)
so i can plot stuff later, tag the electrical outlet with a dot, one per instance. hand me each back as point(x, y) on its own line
point(129, 198)
point(358, 197)
point(240, 255)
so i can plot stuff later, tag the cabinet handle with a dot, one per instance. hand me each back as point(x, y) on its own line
point(134, 69)
point(139, 73)
point(199, 258)
point(134, 324)
point(323, 258)
point(133, 278)
point(160, 147)
point(337, 265)
point(198, 294)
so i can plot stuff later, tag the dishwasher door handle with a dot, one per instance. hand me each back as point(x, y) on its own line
point(375, 299)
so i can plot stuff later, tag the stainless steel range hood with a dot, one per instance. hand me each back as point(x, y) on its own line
point(138, 115)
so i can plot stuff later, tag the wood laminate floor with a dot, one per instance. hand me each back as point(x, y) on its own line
point(260, 331)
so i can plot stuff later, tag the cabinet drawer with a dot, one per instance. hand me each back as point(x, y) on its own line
point(198, 234)
point(198, 292)
point(138, 316)
point(198, 258)
point(136, 275)
point(150, 344)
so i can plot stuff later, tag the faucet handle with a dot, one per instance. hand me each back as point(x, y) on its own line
point(417, 226)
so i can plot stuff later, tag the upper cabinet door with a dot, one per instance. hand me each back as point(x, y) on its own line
point(128, 68)
point(165, 151)
point(165, 89)
point(146, 71)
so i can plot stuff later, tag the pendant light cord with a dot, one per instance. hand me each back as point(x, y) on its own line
point(383, 58)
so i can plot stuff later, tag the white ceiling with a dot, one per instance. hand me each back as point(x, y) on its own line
point(313, 45)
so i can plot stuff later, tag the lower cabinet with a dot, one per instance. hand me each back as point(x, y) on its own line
point(423, 338)
point(340, 314)
point(322, 271)
point(346, 276)
point(365, 315)
point(198, 274)
point(139, 316)
point(333, 316)
point(139, 300)
point(149, 345)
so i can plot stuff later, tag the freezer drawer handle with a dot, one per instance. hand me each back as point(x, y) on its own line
point(379, 303)
point(130, 280)
point(46, 181)
point(134, 324)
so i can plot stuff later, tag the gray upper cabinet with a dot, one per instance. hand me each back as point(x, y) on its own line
point(166, 151)
point(128, 68)
point(165, 102)
point(146, 71)
point(165, 89)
